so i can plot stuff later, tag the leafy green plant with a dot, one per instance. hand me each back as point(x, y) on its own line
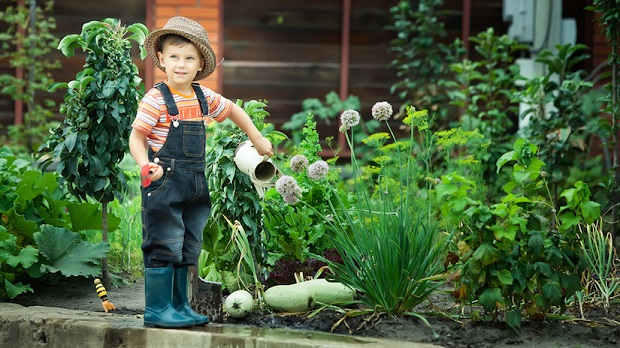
point(521, 254)
point(422, 58)
point(232, 194)
point(484, 89)
point(27, 44)
point(598, 249)
point(291, 232)
point(563, 116)
point(37, 220)
point(99, 106)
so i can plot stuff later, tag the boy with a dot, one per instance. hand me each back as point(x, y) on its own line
point(168, 144)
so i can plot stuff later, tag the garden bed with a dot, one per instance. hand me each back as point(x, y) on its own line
point(595, 330)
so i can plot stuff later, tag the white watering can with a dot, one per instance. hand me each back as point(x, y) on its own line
point(260, 168)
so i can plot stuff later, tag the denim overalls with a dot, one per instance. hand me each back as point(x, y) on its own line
point(175, 208)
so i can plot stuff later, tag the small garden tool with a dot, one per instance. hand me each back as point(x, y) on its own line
point(103, 295)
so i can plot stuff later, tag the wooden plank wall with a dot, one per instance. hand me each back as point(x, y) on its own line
point(285, 51)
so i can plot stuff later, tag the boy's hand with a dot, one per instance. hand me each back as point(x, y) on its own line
point(263, 146)
point(150, 172)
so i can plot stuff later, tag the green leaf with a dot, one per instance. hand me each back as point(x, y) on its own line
point(54, 86)
point(552, 291)
point(571, 283)
point(514, 319)
point(535, 243)
point(543, 268)
point(71, 141)
point(139, 30)
point(569, 220)
point(13, 290)
point(591, 211)
point(26, 257)
point(65, 252)
point(508, 232)
point(69, 43)
point(486, 254)
point(85, 81)
point(88, 216)
point(491, 299)
point(505, 277)
point(505, 158)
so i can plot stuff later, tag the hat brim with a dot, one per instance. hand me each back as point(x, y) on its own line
point(150, 44)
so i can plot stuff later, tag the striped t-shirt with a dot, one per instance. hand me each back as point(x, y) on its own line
point(153, 120)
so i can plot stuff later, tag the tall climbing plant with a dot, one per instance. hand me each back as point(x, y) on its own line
point(26, 44)
point(99, 105)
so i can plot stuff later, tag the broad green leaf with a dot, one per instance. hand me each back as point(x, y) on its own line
point(535, 243)
point(88, 216)
point(26, 257)
point(13, 290)
point(491, 299)
point(505, 277)
point(591, 211)
point(514, 319)
point(508, 232)
point(571, 283)
point(569, 220)
point(21, 227)
point(543, 268)
point(65, 252)
point(553, 292)
point(486, 254)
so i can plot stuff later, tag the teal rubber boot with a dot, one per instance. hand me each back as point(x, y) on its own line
point(179, 297)
point(158, 309)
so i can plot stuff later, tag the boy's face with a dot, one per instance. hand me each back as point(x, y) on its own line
point(181, 63)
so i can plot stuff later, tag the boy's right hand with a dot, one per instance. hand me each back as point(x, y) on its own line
point(263, 146)
point(150, 172)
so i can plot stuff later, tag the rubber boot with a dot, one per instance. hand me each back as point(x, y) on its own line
point(158, 309)
point(179, 297)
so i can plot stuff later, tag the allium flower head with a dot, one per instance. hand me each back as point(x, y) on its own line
point(298, 163)
point(290, 199)
point(287, 186)
point(382, 111)
point(318, 170)
point(349, 118)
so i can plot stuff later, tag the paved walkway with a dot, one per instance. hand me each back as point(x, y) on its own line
point(36, 326)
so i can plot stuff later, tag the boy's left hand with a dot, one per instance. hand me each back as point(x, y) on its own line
point(263, 146)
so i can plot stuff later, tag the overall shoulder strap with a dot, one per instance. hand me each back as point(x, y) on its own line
point(204, 106)
point(168, 98)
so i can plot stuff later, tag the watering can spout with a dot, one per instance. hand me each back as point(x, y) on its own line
point(260, 169)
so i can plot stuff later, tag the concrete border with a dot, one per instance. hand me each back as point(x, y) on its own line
point(50, 327)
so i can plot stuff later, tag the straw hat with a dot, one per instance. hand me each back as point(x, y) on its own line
point(192, 31)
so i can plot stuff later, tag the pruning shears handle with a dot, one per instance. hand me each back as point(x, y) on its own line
point(145, 174)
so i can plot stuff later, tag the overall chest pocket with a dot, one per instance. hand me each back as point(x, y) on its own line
point(194, 140)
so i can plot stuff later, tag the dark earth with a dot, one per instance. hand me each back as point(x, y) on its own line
point(595, 330)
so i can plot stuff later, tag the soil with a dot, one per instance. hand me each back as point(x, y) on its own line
point(595, 330)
